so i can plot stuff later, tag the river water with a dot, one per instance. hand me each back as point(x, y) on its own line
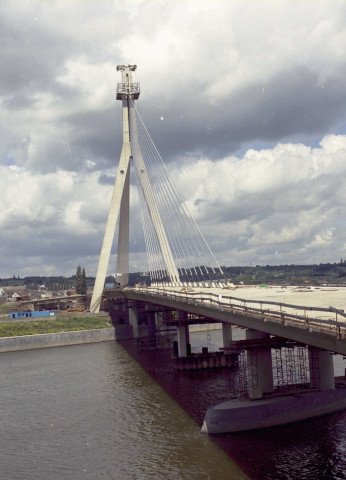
point(93, 412)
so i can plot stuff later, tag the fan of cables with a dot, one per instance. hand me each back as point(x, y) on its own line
point(178, 254)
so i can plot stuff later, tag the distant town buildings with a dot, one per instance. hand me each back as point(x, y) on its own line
point(18, 294)
point(14, 294)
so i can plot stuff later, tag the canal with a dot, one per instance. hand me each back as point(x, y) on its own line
point(92, 411)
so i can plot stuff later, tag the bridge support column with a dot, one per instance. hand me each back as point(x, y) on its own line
point(321, 369)
point(133, 320)
point(226, 334)
point(159, 320)
point(259, 367)
point(151, 328)
point(183, 335)
point(119, 313)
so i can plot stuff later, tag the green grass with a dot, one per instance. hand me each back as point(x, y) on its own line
point(7, 308)
point(63, 324)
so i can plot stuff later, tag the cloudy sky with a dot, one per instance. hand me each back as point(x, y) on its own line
point(246, 102)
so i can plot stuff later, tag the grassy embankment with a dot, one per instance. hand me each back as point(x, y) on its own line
point(6, 308)
point(52, 325)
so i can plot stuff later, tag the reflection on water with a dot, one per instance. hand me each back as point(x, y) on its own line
point(90, 411)
point(313, 449)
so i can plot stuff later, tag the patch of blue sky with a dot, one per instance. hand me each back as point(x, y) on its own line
point(10, 161)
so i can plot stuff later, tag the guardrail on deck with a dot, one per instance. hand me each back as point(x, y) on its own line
point(335, 325)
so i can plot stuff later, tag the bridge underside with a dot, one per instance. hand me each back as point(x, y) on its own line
point(153, 321)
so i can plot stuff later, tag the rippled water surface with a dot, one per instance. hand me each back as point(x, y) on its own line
point(311, 450)
point(91, 411)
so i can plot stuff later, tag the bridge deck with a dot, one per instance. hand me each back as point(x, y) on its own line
point(319, 326)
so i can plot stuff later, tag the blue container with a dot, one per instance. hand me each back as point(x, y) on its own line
point(32, 314)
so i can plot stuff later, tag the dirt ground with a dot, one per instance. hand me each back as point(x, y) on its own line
point(323, 297)
point(307, 297)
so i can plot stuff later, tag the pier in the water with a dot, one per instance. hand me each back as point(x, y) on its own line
point(274, 379)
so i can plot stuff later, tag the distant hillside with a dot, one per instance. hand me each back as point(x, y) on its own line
point(324, 273)
point(334, 273)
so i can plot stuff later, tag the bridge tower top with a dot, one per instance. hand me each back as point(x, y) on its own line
point(127, 87)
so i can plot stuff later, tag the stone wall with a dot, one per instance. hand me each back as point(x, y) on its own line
point(44, 340)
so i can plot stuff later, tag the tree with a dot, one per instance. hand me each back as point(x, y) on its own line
point(81, 284)
point(84, 287)
point(78, 284)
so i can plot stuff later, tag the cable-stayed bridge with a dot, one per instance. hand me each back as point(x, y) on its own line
point(278, 343)
point(177, 252)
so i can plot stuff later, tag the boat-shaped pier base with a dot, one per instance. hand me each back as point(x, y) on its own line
point(240, 414)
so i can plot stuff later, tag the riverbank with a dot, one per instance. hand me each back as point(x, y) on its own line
point(61, 323)
point(64, 329)
point(46, 340)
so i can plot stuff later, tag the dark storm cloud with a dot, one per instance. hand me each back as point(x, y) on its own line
point(83, 142)
point(106, 180)
point(31, 55)
point(18, 102)
point(296, 101)
point(292, 102)
point(96, 134)
point(42, 244)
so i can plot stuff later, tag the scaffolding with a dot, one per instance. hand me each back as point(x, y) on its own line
point(292, 366)
point(238, 379)
point(291, 370)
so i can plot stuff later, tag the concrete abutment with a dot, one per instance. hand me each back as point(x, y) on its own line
point(321, 369)
point(259, 366)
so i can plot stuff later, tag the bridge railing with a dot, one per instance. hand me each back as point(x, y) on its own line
point(333, 321)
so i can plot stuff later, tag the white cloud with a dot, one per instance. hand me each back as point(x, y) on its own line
point(225, 76)
point(280, 198)
point(226, 46)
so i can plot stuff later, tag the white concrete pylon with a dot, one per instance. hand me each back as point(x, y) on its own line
point(122, 267)
point(127, 92)
point(121, 179)
point(110, 229)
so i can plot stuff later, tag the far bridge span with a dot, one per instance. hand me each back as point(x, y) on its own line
point(323, 328)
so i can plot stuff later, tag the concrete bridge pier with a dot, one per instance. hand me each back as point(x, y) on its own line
point(183, 336)
point(133, 321)
point(321, 369)
point(259, 367)
point(226, 334)
point(119, 312)
point(151, 328)
point(159, 320)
